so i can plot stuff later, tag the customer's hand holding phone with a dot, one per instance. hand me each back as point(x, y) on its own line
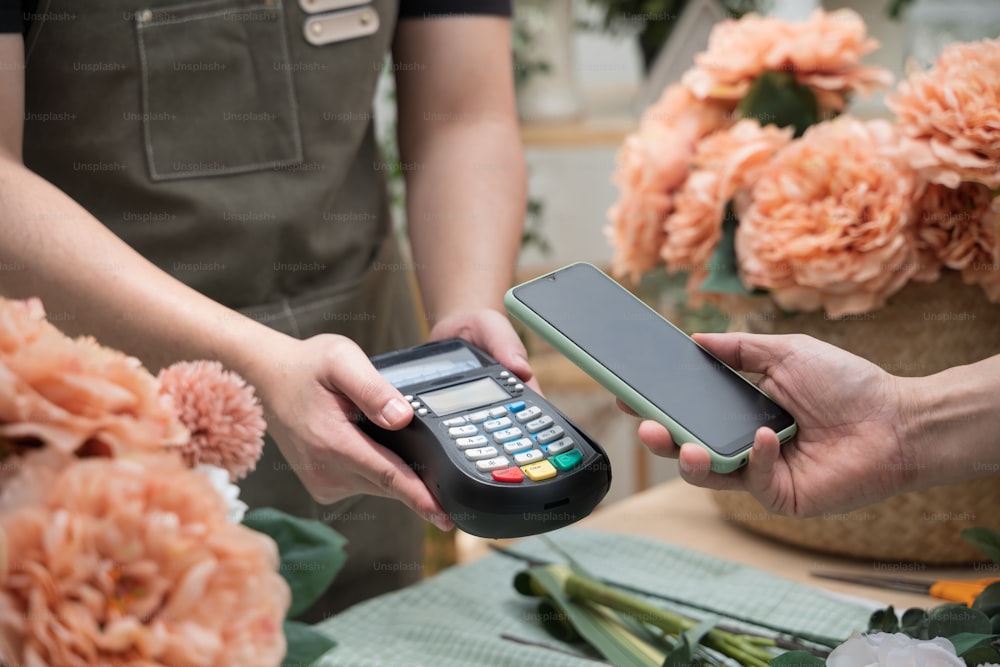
point(848, 451)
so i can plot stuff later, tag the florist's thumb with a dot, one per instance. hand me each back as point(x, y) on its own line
point(353, 375)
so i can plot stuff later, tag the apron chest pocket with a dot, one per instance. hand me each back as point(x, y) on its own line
point(217, 91)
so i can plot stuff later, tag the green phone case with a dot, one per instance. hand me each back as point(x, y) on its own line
point(720, 463)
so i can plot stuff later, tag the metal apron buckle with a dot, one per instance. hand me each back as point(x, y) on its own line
point(337, 26)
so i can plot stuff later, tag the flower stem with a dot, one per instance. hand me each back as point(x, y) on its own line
point(749, 651)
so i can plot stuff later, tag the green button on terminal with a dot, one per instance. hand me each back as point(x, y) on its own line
point(567, 460)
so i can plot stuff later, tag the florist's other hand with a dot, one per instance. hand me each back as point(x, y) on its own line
point(312, 394)
point(864, 434)
point(491, 331)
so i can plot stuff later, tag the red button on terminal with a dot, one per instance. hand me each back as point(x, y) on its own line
point(509, 475)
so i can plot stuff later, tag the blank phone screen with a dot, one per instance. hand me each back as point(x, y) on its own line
point(661, 363)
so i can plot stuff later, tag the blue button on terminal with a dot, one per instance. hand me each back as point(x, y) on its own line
point(516, 407)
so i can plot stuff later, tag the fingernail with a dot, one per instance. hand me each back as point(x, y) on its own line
point(394, 411)
point(442, 522)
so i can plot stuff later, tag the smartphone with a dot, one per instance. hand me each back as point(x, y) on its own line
point(651, 365)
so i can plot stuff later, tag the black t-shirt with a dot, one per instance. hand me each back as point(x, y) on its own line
point(16, 16)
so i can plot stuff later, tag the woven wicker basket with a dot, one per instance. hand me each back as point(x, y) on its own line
point(925, 328)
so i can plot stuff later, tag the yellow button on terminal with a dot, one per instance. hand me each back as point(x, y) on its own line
point(539, 471)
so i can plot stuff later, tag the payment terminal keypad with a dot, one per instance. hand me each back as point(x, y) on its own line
point(499, 458)
point(513, 443)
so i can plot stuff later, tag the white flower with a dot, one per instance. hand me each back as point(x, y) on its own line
point(219, 478)
point(881, 649)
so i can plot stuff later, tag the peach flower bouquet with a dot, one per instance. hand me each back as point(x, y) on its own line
point(120, 533)
point(748, 176)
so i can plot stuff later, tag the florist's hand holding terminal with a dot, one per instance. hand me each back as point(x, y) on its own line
point(167, 226)
point(863, 434)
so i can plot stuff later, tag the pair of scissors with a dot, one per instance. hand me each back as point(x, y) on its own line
point(953, 590)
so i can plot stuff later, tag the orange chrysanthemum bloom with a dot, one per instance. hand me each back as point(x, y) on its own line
point(652, 164)
point(222, 413)
point(132, 562)
point(959, 228)
point(824, 53)
point(949, 115)
point(725, 164)
point(73, 394)
point(829, 224)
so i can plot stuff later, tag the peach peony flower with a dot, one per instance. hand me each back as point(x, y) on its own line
point(75, 395)
point(950, 115)
point(725, 164)
point(958, 228)
point(652, 163)
point(132, 562)
point(824, 53)
point(220, 410)
point(829, 222)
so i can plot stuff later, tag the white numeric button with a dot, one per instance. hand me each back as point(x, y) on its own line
point(480, 453)
point(493, 464)
point(551, 434)
point(507, 434)
point(528, 456)
point(528, 414)
point(454, 421)
point(497, 424)
point(474, 441)
point(498, 412)
point(462, 431)
point(560, 446)
point(480, 416)
point(517, 445)
point(542, 422)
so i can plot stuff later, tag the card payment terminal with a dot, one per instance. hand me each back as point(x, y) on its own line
point(501, 460)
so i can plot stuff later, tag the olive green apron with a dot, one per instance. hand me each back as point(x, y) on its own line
point(223, 145)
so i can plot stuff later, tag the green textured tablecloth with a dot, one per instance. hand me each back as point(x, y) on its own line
point(456, 618)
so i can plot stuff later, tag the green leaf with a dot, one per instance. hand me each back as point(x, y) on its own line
point(953, 619)
point(987, 539)
point(683, 654)
point(777, 98)
point(981, 655)
point(988, 601)
point(305, 645)
point(680, 656)
point(556, 622)
point(913, 621)
point(311, 553)
point(883, 620)
point(603, 629)
point(797, 659)
point(723, 275)
point(964, 641)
